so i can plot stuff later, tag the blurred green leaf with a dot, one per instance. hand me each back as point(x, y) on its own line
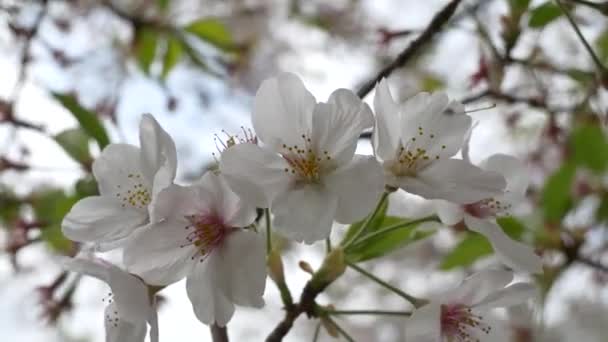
point(555, 198)
point(86, 187)
point(88, 120)
point(601, 213)
point(75, 142)
point(386, 243)
point(146, 41)
point(374, 225)
point(431, 83)
point(475, 246)
point(589, 147)
point(212, 31)
point(9, 204)
point(50, 206)
point(163, 4)
point(601, 44)
point(544, 14)
point(581, 76)
point(519, 5)
point(172, 55)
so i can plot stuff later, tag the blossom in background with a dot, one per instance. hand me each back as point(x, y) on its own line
point(306, 169)
point(128, 179)
point(415, 141)
point(458, 315)
point(129, 306)
point(480, 216)
point(196, 232)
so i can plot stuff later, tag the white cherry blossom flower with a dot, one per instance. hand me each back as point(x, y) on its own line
point(306, 169)
point(481, 216)
point(197, 233)
point(128, 179)
point(129, 306)
point(415, 141)
point(458, 315)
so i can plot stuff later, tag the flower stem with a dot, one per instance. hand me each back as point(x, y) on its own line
point(218, 334)
point(368, 312)
point(367, 222)
point(395, 227)
point(417, 302)
point(341, 330)
point(328, 245)
point(268, 231)
point(315, 337)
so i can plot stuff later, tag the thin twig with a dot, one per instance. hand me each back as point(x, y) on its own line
point(369, 312)
point(414, 48)
point(592, 263)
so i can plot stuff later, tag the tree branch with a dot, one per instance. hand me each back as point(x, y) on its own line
point(414, 48)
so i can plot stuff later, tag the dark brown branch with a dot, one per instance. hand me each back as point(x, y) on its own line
point(592, 263)
point(218, 334)
point(414, 48)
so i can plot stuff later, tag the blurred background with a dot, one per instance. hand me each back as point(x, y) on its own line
point(77, 74)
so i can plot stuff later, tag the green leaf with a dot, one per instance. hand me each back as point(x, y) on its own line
point(544, 14)
point(601, 213)
point(386, 243)
point(50, 206)
point(519, 5)
point(375, 223)
point(75, 142)
point(475, 246)
point(163, 4)
point(9, 205)
point(146, 41)
point(601, 44)
point(212, 31)
point(86, 187)
point(555, 196)
point(589, 147)
point(172, 55)
point(87, 119)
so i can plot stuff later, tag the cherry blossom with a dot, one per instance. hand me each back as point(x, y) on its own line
point(305, 168)
point(415, 141)
point(129, 306)
point(480, 216)
point(128, 179)
point(459, 315)
point(197, 232)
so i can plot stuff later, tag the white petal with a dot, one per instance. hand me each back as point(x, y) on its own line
point(157, 151)
point(478, 287)
point(121, 330)
point(386, 132)
point(255, 174)
point(205, 292)
point(130, 293)
point(454, 180)
point(358, 186)
point(160, 253)
point(118, 169)
point(425, 322)
point(177, 201)
point(305, 214)
point(234, 211)
point(100, 218)
point(514, 254)
point(282, 110)
point(514, 171)
point(428, 125)
point(242, 263)
point(338, 124)
point(449, 213)
point(511, 295)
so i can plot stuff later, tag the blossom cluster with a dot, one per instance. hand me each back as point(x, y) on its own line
point(301, 165)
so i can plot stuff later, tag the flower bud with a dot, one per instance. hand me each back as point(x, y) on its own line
point(333, 267)
point(306, 267)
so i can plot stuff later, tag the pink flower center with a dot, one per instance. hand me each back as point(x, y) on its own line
point(459, 323)
point(206, 233)
point(486, 208)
